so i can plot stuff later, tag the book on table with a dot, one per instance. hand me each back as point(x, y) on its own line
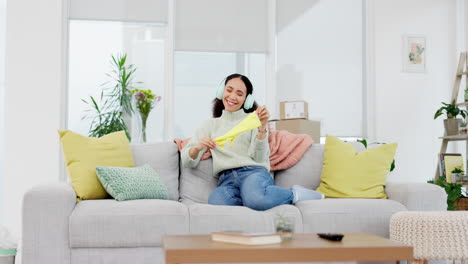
point(246, 238)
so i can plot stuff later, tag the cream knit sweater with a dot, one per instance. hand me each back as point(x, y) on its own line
point(246, 151)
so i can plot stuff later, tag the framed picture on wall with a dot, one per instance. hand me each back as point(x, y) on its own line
point(414, 53)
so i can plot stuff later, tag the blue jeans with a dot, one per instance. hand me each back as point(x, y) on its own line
point(251, 186)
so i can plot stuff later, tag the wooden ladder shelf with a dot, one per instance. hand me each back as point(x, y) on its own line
point(462, 70)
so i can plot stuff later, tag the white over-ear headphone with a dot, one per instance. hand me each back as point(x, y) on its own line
point(248, 103)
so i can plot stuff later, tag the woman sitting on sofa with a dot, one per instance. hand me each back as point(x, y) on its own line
point(243, 169)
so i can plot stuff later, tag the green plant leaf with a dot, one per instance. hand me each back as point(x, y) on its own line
point(114, 101)
point(363, 141)
point(453, 190)
point(451, 110)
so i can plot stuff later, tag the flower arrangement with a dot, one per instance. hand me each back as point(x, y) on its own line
point(145, 101)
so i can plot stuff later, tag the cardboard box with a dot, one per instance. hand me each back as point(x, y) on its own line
point(294, 110)
point(297, 126)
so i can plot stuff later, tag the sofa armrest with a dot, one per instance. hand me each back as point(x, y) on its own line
point(418, 196)
point(46, 211)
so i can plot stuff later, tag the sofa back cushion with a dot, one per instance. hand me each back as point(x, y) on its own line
point(306, 172)
point(163, 157)
point(197, 183)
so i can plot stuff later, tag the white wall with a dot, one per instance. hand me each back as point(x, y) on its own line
point(34, 92)
point(2, 86)
point(405, 102)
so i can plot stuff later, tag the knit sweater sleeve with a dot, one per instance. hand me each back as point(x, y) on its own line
point(203, 131)
point(259, 149)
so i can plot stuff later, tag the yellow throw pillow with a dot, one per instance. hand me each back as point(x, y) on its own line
point(83, 154)
point(349, 174)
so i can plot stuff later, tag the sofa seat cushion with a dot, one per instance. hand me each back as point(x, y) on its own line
point(206, 218)
point(136, 223)
point(348, 215)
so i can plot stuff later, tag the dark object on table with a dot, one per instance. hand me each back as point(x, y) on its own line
point(331, 236)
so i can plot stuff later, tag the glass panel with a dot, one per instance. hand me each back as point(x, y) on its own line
point(197, 77)
point(91, 45)
point(320, 60)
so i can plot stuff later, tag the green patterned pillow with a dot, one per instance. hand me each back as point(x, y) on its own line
point(125, 183)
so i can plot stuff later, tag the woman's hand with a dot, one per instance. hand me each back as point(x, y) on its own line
point(206, 142)
point(263, 115)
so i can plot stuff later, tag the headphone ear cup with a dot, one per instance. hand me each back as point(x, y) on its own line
point(220, 92)
point(249, 101)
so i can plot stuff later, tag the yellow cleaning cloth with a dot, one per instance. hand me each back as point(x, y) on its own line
point(249, 123)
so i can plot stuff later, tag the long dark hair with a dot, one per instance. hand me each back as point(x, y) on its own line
point(218, 105)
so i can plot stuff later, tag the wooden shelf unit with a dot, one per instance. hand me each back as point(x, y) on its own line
point(455, 138)
point(462, 70)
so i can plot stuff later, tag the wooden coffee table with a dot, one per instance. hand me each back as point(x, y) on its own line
point(302, 248)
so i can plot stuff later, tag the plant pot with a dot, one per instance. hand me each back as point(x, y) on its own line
point(455, 177)
point(285, 226)
point(451, 126)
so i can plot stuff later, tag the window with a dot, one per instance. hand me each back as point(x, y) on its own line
point(91, 45)
point(320, 58)
point(197, 76)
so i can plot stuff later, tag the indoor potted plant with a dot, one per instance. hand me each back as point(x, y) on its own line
point(109, 111)
point(456, 175)
point(453, 190)
point(451, 111)
point(284, 226)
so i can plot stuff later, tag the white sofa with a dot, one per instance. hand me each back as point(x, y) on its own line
point(58, 230)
